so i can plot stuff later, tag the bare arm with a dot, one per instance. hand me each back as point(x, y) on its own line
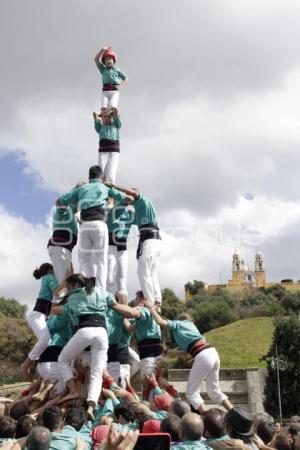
point(126, 311)
point(128, 191)
point(158, 319)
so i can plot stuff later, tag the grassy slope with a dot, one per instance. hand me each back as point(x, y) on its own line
point(243, 343)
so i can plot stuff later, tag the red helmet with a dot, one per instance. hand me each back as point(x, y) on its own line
point(110, 53)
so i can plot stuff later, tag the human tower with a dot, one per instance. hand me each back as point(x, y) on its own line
point(81, 319)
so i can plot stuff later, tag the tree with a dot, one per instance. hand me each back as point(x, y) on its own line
point(194, 287)
point(12, 308)
point(287, 339)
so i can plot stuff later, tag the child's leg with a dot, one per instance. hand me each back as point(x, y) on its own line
point(113, 101)
point(111, 168)
point(37, 322)
point(102, 161)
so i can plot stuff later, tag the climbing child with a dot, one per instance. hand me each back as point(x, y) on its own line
point(112, 77)
point(38, 317)
point(107, 125)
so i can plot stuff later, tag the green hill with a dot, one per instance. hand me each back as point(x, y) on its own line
point(243, 343)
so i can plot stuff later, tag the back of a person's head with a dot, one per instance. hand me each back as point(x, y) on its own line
point(52, 418)
point(76, 417)
point(179, 408)
point(24, 426)
point(126, 411)
point(19, 409)
point(95, 172)
point(191, 427)
point(281, 441)
point(171, 425)
point(7, 427)
point(214, 424)
point(39, 438)
point(266, 431)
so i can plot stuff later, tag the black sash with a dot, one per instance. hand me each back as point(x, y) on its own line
point(112, 353)
point(42, 306)
point(149, 347)
point(147, 232)
point(91, 320)
point(91, 214)
point(123, 355)
point(51, 354)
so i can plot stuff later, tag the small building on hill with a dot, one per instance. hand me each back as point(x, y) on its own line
point(243, 278)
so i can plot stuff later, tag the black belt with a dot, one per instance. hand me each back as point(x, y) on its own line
point(94, 213)
point(123, 355)
point(51, 354)
point(147, 232)
point(112, 353)
point(42, 306)
point(91, 320)
point(149, 347)
point(108, 145)
point(63, 238)
point(121, 243)
point(110, 87)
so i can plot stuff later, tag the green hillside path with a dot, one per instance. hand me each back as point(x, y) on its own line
point(242, 344)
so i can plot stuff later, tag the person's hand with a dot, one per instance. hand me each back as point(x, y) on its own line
point(107, 393)
point(235, 444)
point(258, 442)
point(126, 440)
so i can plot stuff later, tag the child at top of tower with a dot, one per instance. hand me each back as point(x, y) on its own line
point(112, 77)
point(107, 125)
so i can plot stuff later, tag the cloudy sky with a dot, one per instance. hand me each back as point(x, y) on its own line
point(211, 131)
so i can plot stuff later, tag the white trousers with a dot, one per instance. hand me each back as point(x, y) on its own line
point(96, 337)
point(134, 362)
point(148, 365)
point(110, 99)
point(117, 270)
point(92, 251)
point(37, 322)
point(113, 369)
point(206, 367)
point(49, 371)
point(61, 259)
point(147, 269)
point(109, 163)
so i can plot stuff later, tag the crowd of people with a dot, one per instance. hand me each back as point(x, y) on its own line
point(81, 367)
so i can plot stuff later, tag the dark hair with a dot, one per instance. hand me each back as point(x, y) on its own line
point(52, 417)
point(180, 408)
point(214, 423)
point(39, 438)
point(76, 417)
point(19, 409)
point(266, 431)
point(281, 442)
point(125, 410)
point(95, 172)
point(42, 270)
point(170, 424)
point(7, 427)
point(24, 426)
point(78, 278)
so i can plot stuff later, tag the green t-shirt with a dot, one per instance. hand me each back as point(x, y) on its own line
point(48, 286)
point(111, 75)
point(146, 327)
point(184, 332)
point(109, 131)
point(91, 195)
point(144, 212)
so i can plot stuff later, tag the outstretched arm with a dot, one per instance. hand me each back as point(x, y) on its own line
point(158, 319)
point(126, 311)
